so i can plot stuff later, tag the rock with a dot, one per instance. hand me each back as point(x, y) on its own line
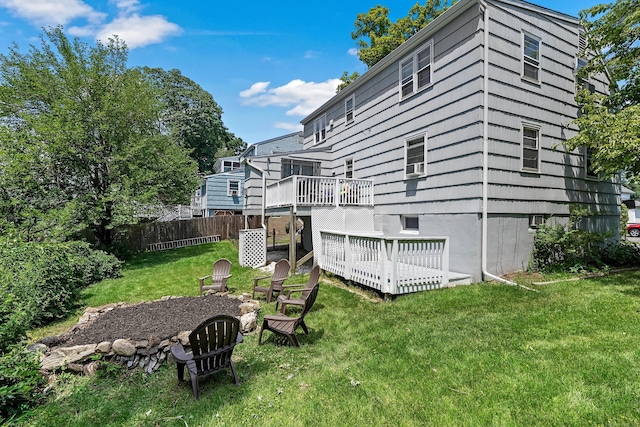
point(39, 347)
point(248, 322)
point(183, 337)
point(67, 355)
point(78, 368)
point(142, 344)
point(91, 368)
point(249, 307)
point(104, 347)
point(154, 341)
point(124, 347)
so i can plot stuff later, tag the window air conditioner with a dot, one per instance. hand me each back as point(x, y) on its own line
point(234, 192)
point(415, 169)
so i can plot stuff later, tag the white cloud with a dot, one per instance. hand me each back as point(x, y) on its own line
point(255, 89)
point(139, 31)
point(52, 12)
point(288, 126)
point(135, 29)
point(353, 51)
point(301, 97)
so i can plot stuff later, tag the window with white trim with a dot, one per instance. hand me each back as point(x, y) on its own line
point(320, 129)
point(349, 104)
point(415, 157)
point(228, 165)
point(348, 168)
point(233, 187)
point(530, 57)
point(416, 71)
point(530, 148)
point(535, 221)
point(410, 223)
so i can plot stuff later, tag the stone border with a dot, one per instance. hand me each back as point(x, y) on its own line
point(145, 354)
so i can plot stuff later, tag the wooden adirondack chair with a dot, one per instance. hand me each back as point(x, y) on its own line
point(285, 298)
point(280, 273)
point(285, 325)
point(220, 273)
point(212, 344)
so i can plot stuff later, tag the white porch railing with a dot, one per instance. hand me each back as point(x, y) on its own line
point(389, 265)
point(300, 190)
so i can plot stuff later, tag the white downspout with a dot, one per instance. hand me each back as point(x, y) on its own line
point(485, 155)
point(264, 192)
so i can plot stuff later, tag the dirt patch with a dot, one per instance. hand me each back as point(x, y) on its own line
point(163, 319)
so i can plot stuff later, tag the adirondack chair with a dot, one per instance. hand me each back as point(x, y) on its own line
point(219, 275)
point(285, 298)
point(285, 325)
point(212, 343)
point(280, 273)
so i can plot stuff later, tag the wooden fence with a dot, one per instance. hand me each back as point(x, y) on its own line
point(139, 237)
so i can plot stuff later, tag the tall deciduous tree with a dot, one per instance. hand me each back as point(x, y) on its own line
point(610, 125)
point(376, 36)
point(192, 118)
point(80, 145)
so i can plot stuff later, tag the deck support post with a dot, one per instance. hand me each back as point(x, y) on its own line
point(292, 239)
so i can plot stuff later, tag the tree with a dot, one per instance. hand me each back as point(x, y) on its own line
point(80, 146)
point(376, 36)
point(347, 80)
point(610, 125)
point(192, 118)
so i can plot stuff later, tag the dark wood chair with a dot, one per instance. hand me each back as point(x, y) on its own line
point(212, 344)
point(285, 325)
point(280, 273)
point(286, 296)
point(221, 271)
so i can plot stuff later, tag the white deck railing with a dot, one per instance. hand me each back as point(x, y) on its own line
point(389, 265)
point(300, 190)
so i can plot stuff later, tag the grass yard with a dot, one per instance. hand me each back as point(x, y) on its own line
point(478, 355)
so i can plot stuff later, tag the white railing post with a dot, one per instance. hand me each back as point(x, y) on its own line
point(445, 263)
point(392, 286)
point(295, 195)
point(347, 257)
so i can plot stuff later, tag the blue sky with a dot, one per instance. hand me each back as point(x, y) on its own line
point(267, 64)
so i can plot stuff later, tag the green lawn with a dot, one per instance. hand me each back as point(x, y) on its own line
point(478, 355)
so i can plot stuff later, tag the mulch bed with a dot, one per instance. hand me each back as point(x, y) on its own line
point(163, 319)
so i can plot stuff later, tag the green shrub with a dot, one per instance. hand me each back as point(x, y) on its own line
point(567, 248)
point(21, 384)
point(40, 282)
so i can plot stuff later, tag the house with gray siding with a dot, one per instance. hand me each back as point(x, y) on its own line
point(221, 193)
point(446, 155)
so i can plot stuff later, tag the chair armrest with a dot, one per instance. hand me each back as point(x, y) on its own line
point(202, 278)
point(256, 279)
point(280, 317)
point(180, 355)
point(239, 338)
point(299, 285)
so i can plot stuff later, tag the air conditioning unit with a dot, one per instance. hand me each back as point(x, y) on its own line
point(415, 169)
point(234, 192)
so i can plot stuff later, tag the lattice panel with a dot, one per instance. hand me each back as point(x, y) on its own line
point(253, 247)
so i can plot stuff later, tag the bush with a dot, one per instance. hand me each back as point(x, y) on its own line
point(566, 248)
point(40, 282)
point(21, 384)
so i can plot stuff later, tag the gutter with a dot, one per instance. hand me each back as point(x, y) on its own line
point(485, 155)
point(264, 192)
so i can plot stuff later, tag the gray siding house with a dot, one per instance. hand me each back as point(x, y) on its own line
point(449, 148)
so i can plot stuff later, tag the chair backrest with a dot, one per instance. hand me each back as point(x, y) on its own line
point(308, 303)
point(280, 272)
point(221, 269)
point(212, 342)
point(314, 276)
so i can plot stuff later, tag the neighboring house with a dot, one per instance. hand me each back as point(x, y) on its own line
point(221, 193)
point(632, 205)
point(446, 155)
